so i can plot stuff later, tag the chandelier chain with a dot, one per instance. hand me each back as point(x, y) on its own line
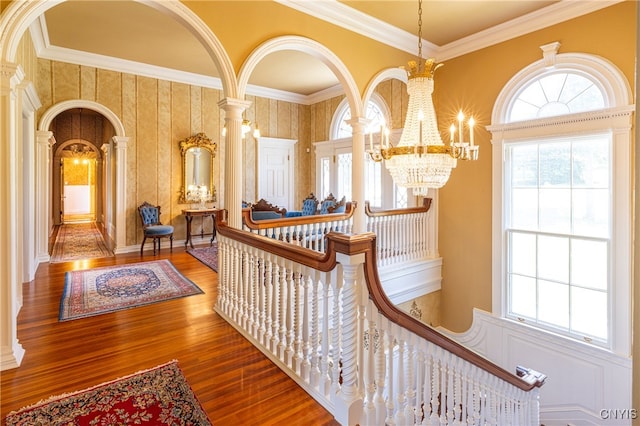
point(420, 30)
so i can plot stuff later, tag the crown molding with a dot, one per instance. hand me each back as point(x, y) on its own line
point(346, 17)
point(336, 13)
point(534, 21)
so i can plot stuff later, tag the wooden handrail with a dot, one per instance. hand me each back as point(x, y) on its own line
point(296, 220)
point(426, 204)
point(366, 243)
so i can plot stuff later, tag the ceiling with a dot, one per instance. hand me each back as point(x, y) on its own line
point(140, 37)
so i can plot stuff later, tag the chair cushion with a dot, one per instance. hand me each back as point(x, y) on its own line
point(295, 213)
point(340, 209)
point(159, 230)
point(261, 215)
point(149, 215)
point(309, 207)
point(324, 208)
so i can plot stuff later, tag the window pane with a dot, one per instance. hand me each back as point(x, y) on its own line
point(524, 214)
point(552, 86)
point(555, 164)
point(590, 99)
point(553, 306)
point(591, 212)
point(523, 254)
point(591, 160)
point(553, 258)
point(401, 197)
point(325, 177)
point(589, 312)
point(589, 260)
point(574, 87)
point(555, 210)
point(524, 166)
point(523, 296)
point(344, 176)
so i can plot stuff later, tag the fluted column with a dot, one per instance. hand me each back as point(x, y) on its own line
point(11, 351)
point(44, 142)
point(358, 126)
point(121, 192)
point(233, 164)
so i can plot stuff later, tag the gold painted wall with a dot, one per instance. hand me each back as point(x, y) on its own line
point(156, 115)
point(26, 57)
point(473, 82)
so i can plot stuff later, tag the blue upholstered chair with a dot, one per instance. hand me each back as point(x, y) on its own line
point(309, 207)
point(331, 205)
point(152, 227)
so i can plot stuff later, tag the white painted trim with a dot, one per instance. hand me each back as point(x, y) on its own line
point(353, 20)
point(582, 378)
point(412, 280)
point(310, 47)
point(616, 120)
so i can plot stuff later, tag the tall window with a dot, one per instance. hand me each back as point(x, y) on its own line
point(565, 203)
point(558, 234)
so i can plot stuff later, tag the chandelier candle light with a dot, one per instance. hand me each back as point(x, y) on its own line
point(421, 160)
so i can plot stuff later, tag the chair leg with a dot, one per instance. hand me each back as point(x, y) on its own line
point(156, 240)
point(171, 242)
point(142, 246)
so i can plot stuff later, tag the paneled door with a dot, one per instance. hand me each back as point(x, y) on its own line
point(275, 171)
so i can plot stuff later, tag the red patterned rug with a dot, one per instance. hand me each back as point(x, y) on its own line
point(78, 241)
point(101, 290)
point(158, 396)
point(206, 255)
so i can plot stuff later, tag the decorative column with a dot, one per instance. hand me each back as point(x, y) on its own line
point(44, 141)
point(121, 193)
point(107, 200)
point(358, 126)
point(11, 351)
point(233, 165)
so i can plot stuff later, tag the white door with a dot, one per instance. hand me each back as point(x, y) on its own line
point(275, 171)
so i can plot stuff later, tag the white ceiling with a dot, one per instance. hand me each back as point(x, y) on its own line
point(142, 38)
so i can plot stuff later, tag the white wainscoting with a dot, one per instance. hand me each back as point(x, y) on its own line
point(582, 379)
point(407, 281)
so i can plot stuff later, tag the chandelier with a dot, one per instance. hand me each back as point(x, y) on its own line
point(421, 160)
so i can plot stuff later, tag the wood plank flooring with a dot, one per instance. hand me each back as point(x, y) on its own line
point(236, 383)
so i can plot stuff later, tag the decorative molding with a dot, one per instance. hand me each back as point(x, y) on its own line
point(583, 378)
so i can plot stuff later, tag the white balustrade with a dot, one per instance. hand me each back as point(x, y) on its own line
point(318, 322)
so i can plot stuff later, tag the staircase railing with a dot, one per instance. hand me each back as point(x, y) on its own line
point(324, 319)
point(403, 235)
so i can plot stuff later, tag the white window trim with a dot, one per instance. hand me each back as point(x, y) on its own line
point(344, 105)
point(617, 121)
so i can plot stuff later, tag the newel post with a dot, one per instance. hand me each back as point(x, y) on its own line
point(348, 401)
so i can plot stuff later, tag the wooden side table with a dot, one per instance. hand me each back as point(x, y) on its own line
point(189, 214)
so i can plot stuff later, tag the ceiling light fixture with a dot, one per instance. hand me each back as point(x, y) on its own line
point(421, 160)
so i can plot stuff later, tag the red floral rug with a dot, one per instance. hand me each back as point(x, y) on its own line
point(206, 255)
point(113, 288)
point(158, 396)
point(78, 241)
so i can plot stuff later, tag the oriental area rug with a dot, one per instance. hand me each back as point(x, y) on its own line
point(101, 290)
point(206, 255)
point(78, 241)
point(158, 396)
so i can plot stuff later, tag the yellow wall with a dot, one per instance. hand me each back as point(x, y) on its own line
point(473, 82)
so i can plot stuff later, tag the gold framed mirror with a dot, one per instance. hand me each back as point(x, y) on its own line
point(198, 153)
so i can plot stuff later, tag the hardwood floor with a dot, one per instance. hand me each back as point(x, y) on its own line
point(235, 383)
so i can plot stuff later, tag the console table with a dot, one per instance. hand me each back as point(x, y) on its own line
point(189, 214)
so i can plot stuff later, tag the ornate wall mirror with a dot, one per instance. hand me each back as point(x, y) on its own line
point(197, 153)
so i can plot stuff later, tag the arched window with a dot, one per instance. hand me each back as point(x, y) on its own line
point(557, 93)
point(562, 129)
point(334, 164)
